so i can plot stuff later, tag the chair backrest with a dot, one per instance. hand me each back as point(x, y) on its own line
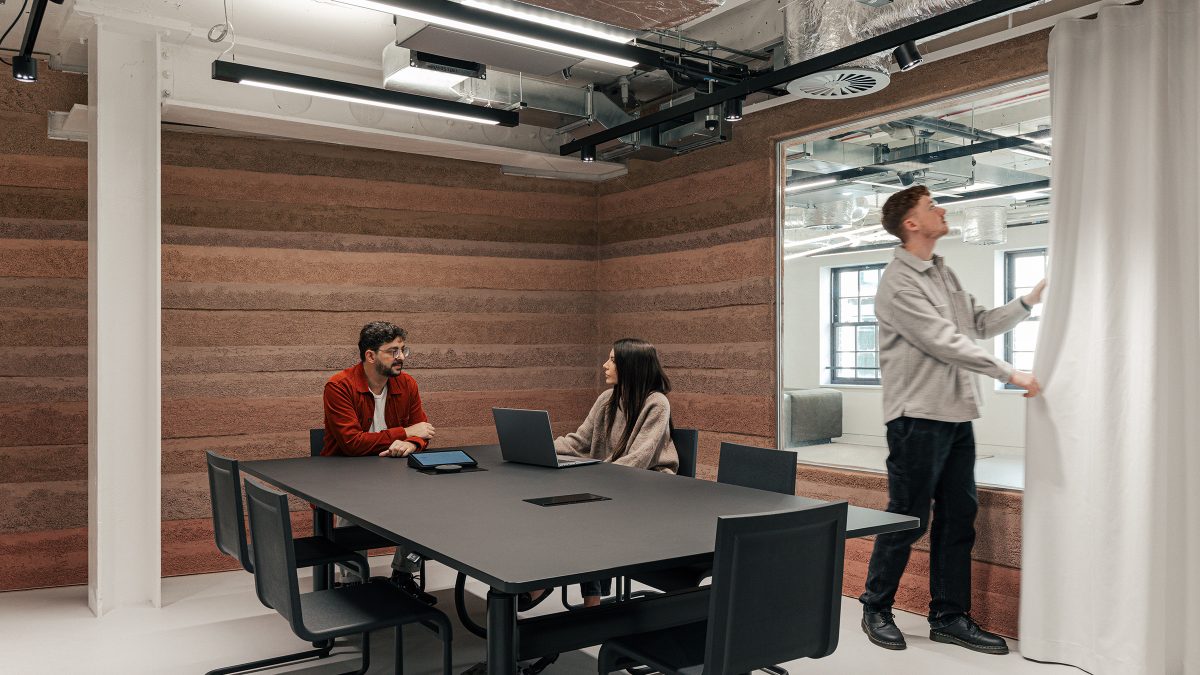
point(273, 553)
point(687, 443)
point(776, 588)
point(316, 441)
point(225, 493)
point(759, 468)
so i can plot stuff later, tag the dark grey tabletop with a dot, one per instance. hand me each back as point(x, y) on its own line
point(478, 522)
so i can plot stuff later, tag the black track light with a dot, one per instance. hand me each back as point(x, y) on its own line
point(24, 68)
point(733, 109)
point(907, 56)
point(588, 153)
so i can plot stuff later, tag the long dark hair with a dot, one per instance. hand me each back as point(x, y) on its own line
point(639, 374)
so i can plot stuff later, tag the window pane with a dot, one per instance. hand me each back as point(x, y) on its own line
point(847, 310)
point(845, 338)
point(848, 283)
point(847, 374)
point(866, 338)
point(866, 309)
point(845, 359)
point(1025, 336)
point(866, 360)
point(1036, 311)
point(1023, 361)
point(867, 374)
point(868, 282)
point(1028, 270)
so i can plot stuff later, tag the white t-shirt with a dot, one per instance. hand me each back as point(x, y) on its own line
point(377, 423)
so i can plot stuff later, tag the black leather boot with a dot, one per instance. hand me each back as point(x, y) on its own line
point(881, 629)
point(964, 632)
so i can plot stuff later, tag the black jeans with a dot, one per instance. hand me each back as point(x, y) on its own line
point(928, 461)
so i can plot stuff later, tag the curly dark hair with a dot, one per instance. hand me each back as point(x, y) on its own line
point(376, 334)
point(897, 207)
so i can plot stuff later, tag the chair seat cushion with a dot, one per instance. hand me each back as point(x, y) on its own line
point(357, 609)
point(357, 538)
point(671, 650)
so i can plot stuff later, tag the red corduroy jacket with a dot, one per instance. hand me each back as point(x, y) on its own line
point(349, 408)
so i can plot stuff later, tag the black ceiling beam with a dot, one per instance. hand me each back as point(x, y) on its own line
point(1001, 143)
point(946, 21)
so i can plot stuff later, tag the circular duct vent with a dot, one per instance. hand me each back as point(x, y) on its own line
point(839, 83)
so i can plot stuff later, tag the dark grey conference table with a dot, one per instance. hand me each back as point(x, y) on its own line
point(478, 523)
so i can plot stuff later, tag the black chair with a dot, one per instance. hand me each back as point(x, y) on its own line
point(229, 530)
point(329, 614)
point(744, 465)
point(776, 596)
point(354, 537)
point(687, 446)
point(758, 468)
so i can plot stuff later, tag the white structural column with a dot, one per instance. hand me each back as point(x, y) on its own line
point(124, 305)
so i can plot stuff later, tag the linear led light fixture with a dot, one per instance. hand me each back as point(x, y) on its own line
point(809, 184)
point(357, 93)
point(993, 193)
point(517, 30)
point(546, 20)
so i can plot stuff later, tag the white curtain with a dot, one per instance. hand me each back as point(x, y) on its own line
point(1111, 549)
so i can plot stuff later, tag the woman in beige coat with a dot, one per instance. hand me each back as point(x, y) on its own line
point(629, 424)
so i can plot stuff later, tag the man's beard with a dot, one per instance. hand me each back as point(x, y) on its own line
point(387, 371)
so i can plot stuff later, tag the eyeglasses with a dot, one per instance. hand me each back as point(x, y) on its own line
point(395, 351)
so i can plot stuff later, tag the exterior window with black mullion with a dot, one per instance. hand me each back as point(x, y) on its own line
point(1022, 271)
point(853, 344)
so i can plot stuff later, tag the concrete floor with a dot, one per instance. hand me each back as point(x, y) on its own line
point(213, 620)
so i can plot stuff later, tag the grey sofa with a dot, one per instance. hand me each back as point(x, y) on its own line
point(813, 416)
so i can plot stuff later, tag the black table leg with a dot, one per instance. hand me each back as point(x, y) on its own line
point(322, 527)
point(501, 633)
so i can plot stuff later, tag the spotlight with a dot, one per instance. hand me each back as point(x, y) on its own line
point(24, 68)
point(712, 118)
point(907, 56)
point(588, 153)
point(733, 109)
point(906, 178)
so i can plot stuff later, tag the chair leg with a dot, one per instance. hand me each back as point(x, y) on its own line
point(775, 670)
point(273, 661)
point(366, 656)
point(447, 656)
point(399, 665)
point(606, 662)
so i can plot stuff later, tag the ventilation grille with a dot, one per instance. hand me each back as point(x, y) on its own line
point(839, 83)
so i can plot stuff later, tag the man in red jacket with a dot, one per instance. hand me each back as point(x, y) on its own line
point(373, 408)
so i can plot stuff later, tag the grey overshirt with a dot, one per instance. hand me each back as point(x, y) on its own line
point(927, 330)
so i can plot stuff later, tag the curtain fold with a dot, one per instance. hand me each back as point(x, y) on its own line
point(1111, 545)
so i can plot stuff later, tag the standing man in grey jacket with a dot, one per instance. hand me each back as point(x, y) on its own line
point(928, 356)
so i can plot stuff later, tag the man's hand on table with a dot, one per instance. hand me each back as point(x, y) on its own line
point(399, 449)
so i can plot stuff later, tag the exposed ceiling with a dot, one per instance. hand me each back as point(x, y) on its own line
point(332, 40)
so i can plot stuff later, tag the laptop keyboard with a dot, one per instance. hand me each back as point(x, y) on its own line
point(567, 460)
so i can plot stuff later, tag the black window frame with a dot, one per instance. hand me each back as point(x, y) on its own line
point(1010, 294)
point(834, 296)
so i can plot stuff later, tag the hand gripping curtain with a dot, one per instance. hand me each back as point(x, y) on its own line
point(1111, 546)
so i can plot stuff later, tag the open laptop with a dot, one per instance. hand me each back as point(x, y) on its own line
point(525, 437)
